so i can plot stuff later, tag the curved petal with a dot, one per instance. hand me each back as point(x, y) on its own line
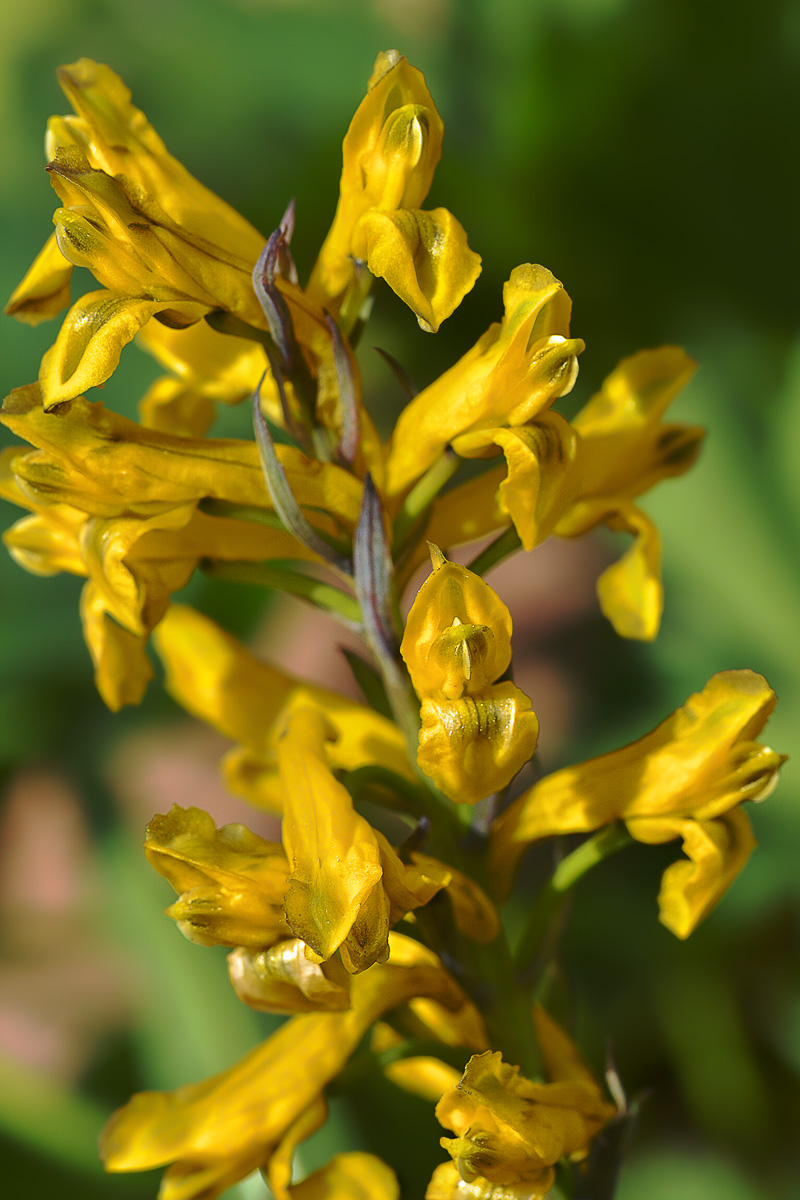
point(716, 852)
point(122, 669)
point(90, 341)
point(283, 979)
point(630, 591)
point(475, 746)
point(447, 1184)
point(540, 485)
point(624, 448)
point(389, 154)
point(424, 258)
point(354, 1175)
point(508, 1128)
point(45, 290)
point(170, 406)
point(230, 882)
point(333, 853)
point(122, 141)
point(225, 368)
point(215, 677)
point(107, 465)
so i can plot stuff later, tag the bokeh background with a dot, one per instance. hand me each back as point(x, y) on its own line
point(641, 149)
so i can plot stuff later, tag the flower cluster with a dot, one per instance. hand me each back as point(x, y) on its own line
point(346, 925)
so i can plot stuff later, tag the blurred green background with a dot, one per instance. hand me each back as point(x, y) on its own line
point(641, 149)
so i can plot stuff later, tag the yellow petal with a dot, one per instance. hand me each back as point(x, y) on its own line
point(351, 1176)
point(225, 368)
point(47, 541)
point(230, 882)
point(637, 392)
point(170, 406)
point(45, 290)
point(87, 349)
point(423, 256)
point(134, 590)
point(467, 512)
point(630, 591)
point(475, 914)
point(473, 747)
point(122, 669)
point(280, 1163)
point(333, 853)
point(540, 484)
point(562, 1059)
point(283, 979)
point(396, 131)
point(691, 763)
point(716, 853)
point(422, 1075)
point(623, 447)
point(412, 884)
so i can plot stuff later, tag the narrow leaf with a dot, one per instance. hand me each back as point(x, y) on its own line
point(272, 303)
point(373, 575)
point(369, 681)
point(349, 400)
point(286, 506)
point(400, 373)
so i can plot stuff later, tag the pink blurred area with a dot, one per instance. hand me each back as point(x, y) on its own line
point(63, 983)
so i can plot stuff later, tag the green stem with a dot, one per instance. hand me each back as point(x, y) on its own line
point(505, 1005)
point(314, 591)
point(544, 926)
point(507, 543)
point(421, 496)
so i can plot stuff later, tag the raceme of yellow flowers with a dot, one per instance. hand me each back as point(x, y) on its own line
point(346, 925)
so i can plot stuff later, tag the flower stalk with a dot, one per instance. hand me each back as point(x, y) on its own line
point(377, 923)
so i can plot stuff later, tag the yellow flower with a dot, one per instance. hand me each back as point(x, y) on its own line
point(116, 503)
point(230, 882)
point(220, 681)
point(160, 243)
point(516, 371)
point(218, 1131)
point(511, 1131)
point(390, 152)
point(568, 478)
point(346, 884)
point(476, 734)
point(685, 780)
